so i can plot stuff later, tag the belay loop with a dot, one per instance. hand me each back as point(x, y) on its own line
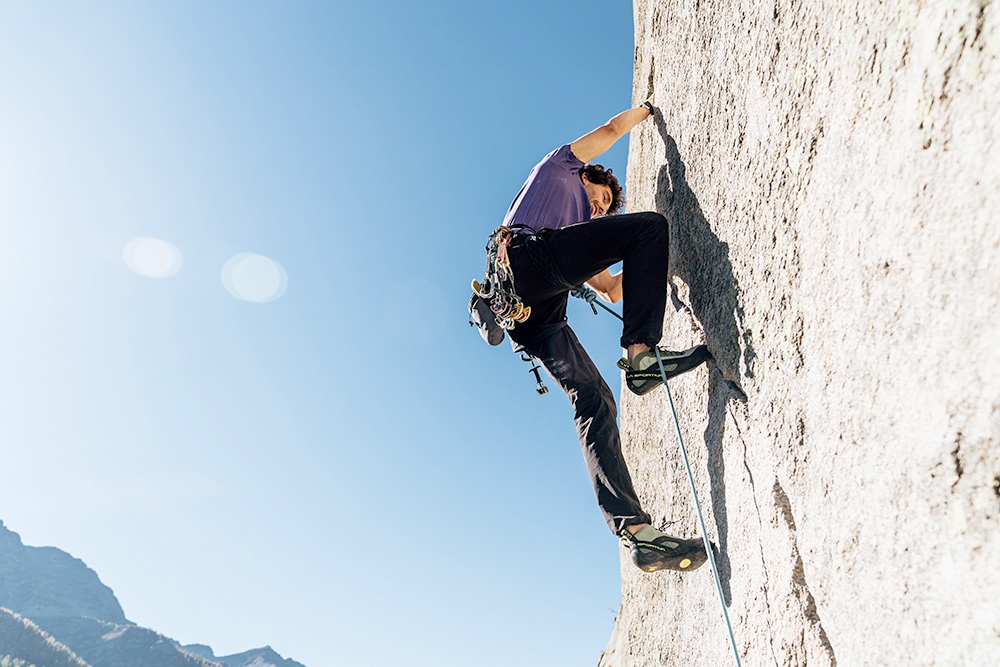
point(497, 287)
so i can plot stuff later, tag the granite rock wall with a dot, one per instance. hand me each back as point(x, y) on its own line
point(831, 173)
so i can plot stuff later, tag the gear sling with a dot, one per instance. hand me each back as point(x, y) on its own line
point(495, 306)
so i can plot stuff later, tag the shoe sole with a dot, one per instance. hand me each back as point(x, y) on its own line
point(652, 378)
point(678, 555)
point(683, 563)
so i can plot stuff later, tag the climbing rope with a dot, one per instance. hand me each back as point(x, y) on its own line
point(589, 296)
point(701, 517)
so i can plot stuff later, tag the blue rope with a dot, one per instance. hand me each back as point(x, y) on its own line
point(701, 518)
point(582, 293)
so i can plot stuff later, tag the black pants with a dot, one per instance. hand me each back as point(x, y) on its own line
point(579, 252)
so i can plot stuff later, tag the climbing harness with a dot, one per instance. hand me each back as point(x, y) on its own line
point(581, 294)
point(495, 306)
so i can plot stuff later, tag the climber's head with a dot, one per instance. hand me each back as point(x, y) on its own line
point(602, 188)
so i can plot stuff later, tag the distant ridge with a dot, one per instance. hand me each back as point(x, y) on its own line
point(258, 657)
point(104, 644)
point(24, 644)
point(45, 581)
point(76, 621)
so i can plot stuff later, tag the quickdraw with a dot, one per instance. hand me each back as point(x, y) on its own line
point(497, 287)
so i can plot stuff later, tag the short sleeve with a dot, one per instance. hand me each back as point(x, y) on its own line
point(564, 159)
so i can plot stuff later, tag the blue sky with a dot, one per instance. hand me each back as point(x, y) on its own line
point(347, 472)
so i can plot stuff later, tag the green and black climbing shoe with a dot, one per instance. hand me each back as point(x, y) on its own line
point(643, 374)
point(652, 550)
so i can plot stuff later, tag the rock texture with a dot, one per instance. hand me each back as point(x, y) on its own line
point(831, 176)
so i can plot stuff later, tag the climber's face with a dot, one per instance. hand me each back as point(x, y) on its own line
point(600, 197)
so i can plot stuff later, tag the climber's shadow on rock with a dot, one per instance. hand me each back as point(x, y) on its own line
point(701, 260)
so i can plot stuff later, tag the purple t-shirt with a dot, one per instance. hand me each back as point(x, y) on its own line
point(553, 196)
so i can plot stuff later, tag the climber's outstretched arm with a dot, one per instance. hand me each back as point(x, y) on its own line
point(592, 144)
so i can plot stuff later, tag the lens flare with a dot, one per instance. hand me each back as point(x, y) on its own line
point(152, 257)
point(254, 278)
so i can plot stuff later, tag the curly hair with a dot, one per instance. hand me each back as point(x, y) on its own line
point(598, 175)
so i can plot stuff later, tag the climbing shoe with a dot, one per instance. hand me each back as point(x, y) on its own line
point(652, 550)
point(643, 374)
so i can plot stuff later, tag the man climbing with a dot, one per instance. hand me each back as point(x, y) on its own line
point(565, 239)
